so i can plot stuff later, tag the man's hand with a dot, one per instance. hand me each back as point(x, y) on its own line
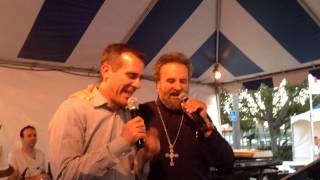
point(43, 176)
point(133, 130)
point(14, 175)
point(152, 145)
point(145, 154)
point(192, 106)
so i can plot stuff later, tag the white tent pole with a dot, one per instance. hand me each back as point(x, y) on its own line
point(293, 144)
point(311, 123)
point(218, 109)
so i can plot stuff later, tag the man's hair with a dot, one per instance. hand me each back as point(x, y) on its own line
point(113, 51)
point(24, 128)
point(171, 57)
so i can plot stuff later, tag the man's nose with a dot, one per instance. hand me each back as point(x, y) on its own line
point(137, 83)
point(177, 86)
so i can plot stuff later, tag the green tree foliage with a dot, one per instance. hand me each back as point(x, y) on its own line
point(272, 106)
point(225, 105)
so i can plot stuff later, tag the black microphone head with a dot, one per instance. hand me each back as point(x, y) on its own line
point(133, 103)
point(183, 96)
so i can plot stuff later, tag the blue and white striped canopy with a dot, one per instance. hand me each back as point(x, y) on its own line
point(257, 37)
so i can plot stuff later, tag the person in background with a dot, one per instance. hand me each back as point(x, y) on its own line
point(190, 144)
point(5, 169)
point(316, 147)
point(28, 162)
point(94, 137)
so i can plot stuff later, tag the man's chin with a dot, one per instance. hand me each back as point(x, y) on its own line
point(124, 99)
point(123, 103)
point(172, 106)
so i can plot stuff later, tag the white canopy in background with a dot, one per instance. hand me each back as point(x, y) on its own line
point(301, 135)
point(31, 97)
point(267, 38)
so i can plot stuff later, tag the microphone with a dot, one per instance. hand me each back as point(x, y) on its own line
point(24, 173)
point(133, 106)
point(49, 173)
point(199, 121)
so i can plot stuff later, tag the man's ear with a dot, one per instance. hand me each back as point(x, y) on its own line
point(157, 85)
point(105, 70)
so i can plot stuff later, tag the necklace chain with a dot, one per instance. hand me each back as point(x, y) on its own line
point(165, 129)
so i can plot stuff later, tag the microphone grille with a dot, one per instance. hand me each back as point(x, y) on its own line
point(133, 103)
point(183, 96)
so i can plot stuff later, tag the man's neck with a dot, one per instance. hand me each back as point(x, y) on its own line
point(28, 149)
point(114, 107)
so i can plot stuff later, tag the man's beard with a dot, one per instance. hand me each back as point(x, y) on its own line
point(171, 104)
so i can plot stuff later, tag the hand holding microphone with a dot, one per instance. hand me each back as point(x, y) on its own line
point(133, 107)
point(197, 111)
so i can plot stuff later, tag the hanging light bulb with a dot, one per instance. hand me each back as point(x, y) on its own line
point(216, 72)
point(217, 75)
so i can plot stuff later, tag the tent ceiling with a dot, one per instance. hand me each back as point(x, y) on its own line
point(256, 37)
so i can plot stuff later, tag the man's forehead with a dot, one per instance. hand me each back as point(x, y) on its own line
point(30, 130)
point(127, 56)
point(130, 56)
point(173, 65)
point(169, 70)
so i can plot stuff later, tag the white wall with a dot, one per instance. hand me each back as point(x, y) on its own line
point(31, 97)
